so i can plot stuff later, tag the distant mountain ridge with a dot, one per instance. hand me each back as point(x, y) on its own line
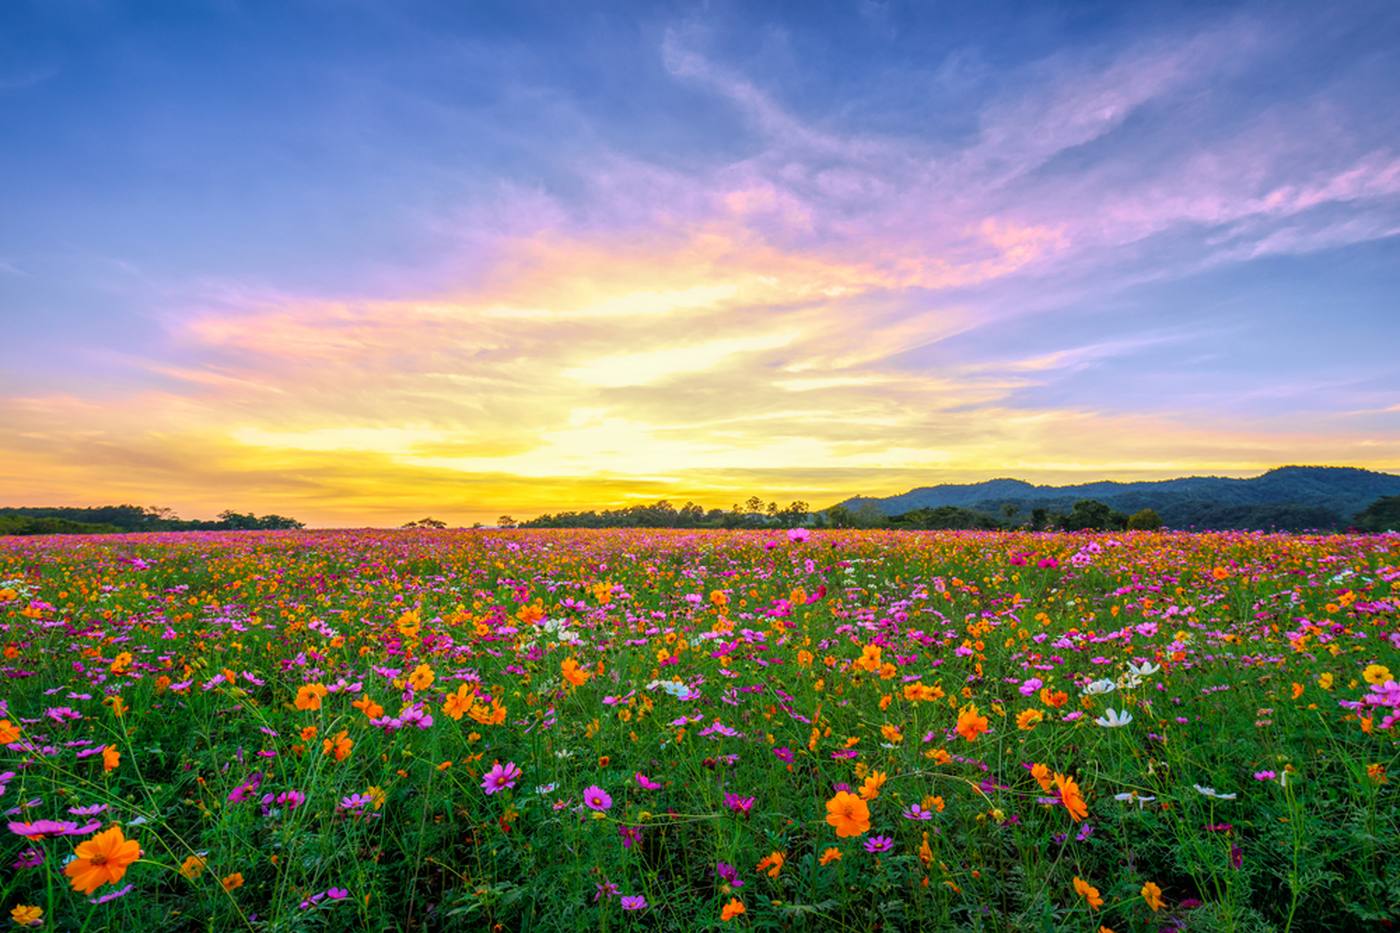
point(1202, 501)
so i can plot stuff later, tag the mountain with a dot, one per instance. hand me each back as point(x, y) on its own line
point(1307, 496)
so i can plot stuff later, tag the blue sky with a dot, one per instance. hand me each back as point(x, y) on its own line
point(348, 259)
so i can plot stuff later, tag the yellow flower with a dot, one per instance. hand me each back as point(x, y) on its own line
point(26, 915)
point(1376, 674)
point(1029, 719)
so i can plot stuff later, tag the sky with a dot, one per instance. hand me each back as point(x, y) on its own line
point(362, 262)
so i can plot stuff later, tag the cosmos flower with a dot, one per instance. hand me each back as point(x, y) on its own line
point(595, 798)
point(848, 814)
point(500, 777)
point(1213, 793)
point(103, 859)
point(879, 844)
point(1113, 719)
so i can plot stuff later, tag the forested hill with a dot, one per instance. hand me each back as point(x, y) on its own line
point(1291, 496)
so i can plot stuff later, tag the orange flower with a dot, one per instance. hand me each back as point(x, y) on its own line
point(339, 745)
point(848, 814)
point(773, 862)
point(232, 881)
point(871, 788)
point(734, 908)
point(8, 732)
point(422, 677)
point(1042, 775)
point(103, 859)
point(831, 854)
point(1071, 797)
point(370, 708)
point(1087, 891)
point(192, 867)
point(1028, 719)
point(1152, 894)
point(309, 696)
point(458, 704)
point(970, 724)
point(1053, 698)
point(573, 673)
point(111, 758)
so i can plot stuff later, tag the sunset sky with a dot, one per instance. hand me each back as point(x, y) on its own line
point(364, 262)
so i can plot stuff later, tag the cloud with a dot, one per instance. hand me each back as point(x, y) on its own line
point(756, 319)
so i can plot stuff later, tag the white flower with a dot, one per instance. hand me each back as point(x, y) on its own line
point(1132, 796)
point(1114, 719)
point(1098, 686)
point(1146, 670)
point(1212, 792)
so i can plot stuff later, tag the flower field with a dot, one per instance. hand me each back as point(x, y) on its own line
point(701, 730)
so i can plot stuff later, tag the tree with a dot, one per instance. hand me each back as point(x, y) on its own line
point(1381, 515)
point(1092, 515)
point(1144, 520)
point(505, 521)
point(426, 523)
point(1040, 518)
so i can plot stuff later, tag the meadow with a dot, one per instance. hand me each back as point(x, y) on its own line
point(678, 730)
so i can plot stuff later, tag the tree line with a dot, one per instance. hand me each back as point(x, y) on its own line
point(121, 519)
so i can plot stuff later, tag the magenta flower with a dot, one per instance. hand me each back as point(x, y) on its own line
point(646, 782)
point(783, 754)
point(500, 777)
point(595, 798)
point(798, 535)
point(739, 804)
point(630, 835)
point(879, 844)
point(916, 812)
point(634, 902)
point(42, 829)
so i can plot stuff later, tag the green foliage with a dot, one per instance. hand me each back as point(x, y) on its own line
point(1144, 520)
point(117, 519)
point(1381, 515)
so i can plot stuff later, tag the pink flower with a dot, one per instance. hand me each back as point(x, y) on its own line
point(879, 844)
point(40, 829)
point(634, 902)
point(646, 782)
point(595, 798)
point(798, 535)
point(500, 777)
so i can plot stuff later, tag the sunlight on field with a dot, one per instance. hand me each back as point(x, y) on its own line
point(690, 730)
